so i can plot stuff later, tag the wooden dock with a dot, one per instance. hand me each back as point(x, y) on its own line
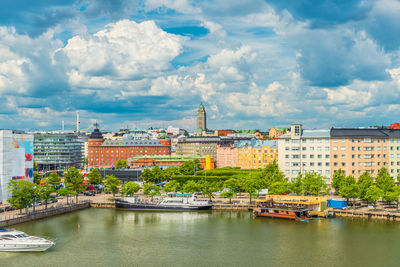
point(102, 205)
point(233, 206)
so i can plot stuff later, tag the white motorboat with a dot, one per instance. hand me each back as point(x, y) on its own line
point(13, 240)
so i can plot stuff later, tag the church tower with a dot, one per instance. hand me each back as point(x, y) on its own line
point(201, 119)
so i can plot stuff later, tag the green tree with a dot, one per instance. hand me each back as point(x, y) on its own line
point(130, 188)
point(296, 185)
point(65, 192)
point(271, 174)
point(151, 189)
point(111, 184)
point(364, 182)
point(169, 172)
point(232, 185)
point(279, 188)
point(207, 189)
point(37, 178)
point(190, 167)
point(157, 174)
point(191, 187)
point(147, 176)
point(228, 194)
point(349, 188)
point(121, 163)
point(45, 191)
point(94, 177)
point(373, 194)
point(384, 181)
point(314, 184)
point(54, 179)
point(21, 191)
point(172, 186)
point(75, 180)
point(250, 185)
point(337, 179)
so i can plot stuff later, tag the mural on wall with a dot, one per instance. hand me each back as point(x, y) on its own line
point(22, 167)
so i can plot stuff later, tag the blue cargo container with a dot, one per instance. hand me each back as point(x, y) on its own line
point(337, 204)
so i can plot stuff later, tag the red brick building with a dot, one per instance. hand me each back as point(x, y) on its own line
point(169, 161)
point(104, 153)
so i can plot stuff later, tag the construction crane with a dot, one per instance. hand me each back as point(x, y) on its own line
point(85, 130)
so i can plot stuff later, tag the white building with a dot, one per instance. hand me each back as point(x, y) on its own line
point(301, 151)
point(16, 159)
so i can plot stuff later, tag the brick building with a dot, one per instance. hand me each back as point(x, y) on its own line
point(104, 153)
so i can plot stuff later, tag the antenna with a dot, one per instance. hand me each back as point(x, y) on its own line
point(62, 125)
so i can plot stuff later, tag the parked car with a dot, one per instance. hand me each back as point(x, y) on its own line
point(89, 193)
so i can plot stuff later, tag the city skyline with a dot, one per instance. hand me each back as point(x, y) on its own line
point(253, 64)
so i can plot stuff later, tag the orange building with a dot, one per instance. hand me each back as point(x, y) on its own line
point(105, 153)
point(168, 161)
point(359, 150)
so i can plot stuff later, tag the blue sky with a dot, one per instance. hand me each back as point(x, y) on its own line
point(253, 64)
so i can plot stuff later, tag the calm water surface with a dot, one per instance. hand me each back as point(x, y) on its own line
point(109, 237)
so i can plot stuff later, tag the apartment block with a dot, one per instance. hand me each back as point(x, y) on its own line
point(302, 150)
point(254, 154)
point(359, 150)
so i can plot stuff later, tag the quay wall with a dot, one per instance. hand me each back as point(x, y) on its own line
point(43, 214)
point(368, 215)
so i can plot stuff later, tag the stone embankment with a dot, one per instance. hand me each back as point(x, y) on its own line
point(44, 213)
point(377, 215)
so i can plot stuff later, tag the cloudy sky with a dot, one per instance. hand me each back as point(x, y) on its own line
point(253, 64)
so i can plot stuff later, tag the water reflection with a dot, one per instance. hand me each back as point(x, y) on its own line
point(109, 237)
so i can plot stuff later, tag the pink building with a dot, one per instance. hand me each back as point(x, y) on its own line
point(226, 156)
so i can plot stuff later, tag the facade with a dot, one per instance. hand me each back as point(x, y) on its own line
point(302, 151)
point(275, 132)
point(254, 154)
point(104, 153)
point(16, 159)
point(394, 153)
point(169, 161)
point(201, 119)
point(198, 145)
point(226, 155)
point(58, 150)
point(359, 150)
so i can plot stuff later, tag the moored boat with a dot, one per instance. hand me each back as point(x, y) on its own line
point(16, 241)
point(271, 209)
point(175, 202)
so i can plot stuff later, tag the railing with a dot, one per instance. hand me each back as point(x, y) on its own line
point(40, 214)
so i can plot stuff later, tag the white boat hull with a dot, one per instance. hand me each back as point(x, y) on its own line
point(25, 247)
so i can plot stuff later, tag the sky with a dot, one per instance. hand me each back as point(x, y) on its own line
point(253, 64)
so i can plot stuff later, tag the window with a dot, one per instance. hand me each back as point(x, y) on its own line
point(311, 156)
point(335, 164)
point(335, 156)
point(311, 148)
point(319, 148)
point(297, 130)
point(286, 156)
point(287, 148)
point(286, 163)
point(295, 148)
point(327, 148)
point(343, 148)
point(343, 164)
point(343, 140)
point(320, 164)
point(335, 140)
point(319, 140)
point(295, 156)
point(353, 148)
point(335, 148)
point(303, 156)
point(303, 148)
point(327, 164)
point(311, 164)
point(327, 156)
point(295, 164)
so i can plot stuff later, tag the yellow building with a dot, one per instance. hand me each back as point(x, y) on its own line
point(254, 154)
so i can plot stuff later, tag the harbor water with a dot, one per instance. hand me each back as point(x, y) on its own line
point(109, 237)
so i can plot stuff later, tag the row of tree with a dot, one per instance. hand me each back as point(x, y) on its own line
point(366, 187)
point(25, 194)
